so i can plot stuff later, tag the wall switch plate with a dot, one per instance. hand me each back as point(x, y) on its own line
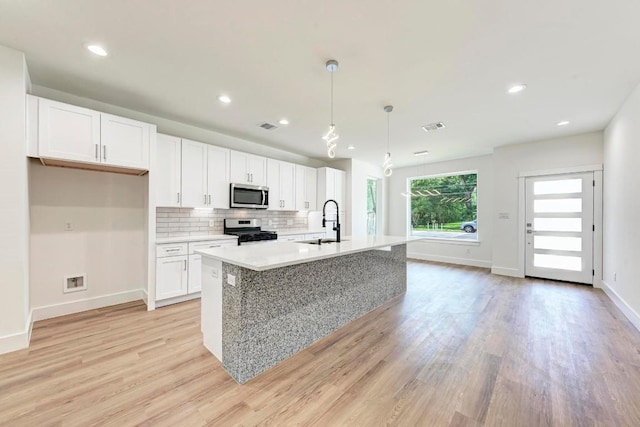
point(231, 279)
point(214, 273)
point(68, 225)
point(212, 223)
point(270, 223)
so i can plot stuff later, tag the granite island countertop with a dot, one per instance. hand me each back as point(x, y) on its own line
point(283, 254)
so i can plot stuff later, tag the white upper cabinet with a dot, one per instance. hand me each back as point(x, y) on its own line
point(68, 132)
point(167, 171)
point(125, 142)
point(218, 177)
point(306, 192)
point(194, 174)
point(331, 185)
point(248, 168)
point(205, 176)
point(71, 134)
point(281, 183)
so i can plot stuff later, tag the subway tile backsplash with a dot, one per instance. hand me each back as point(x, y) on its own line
point(174, 222)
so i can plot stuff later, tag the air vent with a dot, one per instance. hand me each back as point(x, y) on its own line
point(433, 127)
point(268, 126)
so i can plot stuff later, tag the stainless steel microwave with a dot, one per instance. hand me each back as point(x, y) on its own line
point(248, 196)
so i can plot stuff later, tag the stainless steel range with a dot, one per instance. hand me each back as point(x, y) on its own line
point(248, 230)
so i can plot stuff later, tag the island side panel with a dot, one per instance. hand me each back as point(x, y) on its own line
point(211, 306)
point(271, 315)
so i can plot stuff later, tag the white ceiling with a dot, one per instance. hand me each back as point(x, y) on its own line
point(449, 61)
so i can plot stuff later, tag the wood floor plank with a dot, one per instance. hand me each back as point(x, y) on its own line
point(461, 348)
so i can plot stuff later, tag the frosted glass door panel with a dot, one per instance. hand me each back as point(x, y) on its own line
point(563, 186)
point(560, 262)
point(557, 224)
point(553, 243)
point(557, 205)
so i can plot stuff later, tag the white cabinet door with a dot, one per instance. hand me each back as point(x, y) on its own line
point(171, 277)
point(306, 192)
point(273, 182)
point(340, 183)
point(257, 170)
point(287, 186)
point(68, 132)
point(194, 174)
point(239, 168)
point(195, 274)
point(167, 170)
point(248, 169)
point(218, 177)
point(125, 142)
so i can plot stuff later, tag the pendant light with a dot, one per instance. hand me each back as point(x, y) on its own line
point(387, 157)
point(331, 137)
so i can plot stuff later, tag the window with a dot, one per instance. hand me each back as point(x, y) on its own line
point(444, 207)
point(372, 206)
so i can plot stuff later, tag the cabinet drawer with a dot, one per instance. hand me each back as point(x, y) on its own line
point(171, 249)
point(211, 244)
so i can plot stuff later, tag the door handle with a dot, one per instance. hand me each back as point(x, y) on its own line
point(251, 177)
point(104, 152)
point(529, 231)
point(205, 199)
point(178, 197)
point(96, 151)
point(209, 198)
point(185, 265)
point(264, 195)
point(248, 177)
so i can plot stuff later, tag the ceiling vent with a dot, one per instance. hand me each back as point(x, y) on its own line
point(268, 126)
point(433, 127)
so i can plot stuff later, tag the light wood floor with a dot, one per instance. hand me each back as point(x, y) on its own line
point(461, 348)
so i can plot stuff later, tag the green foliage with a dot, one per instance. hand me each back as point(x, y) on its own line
point(452, 199)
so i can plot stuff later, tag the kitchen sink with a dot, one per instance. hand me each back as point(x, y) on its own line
point(319, 241)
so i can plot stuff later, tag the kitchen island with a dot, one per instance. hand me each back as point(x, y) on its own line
point(264, 303)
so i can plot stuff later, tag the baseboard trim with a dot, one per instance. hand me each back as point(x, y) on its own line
point(145, 297)
point(47, 312)
point(503, 271)
point(177, 300)
point(17, 341)
point(449, 260)
point(629, 312)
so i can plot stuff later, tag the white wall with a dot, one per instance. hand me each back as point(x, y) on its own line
point(622, 208)
point(511, 160)
point(14, 208)
point(467, 253)
point(107, 242)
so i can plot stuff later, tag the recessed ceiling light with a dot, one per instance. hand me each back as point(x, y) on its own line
point(563, 123)
point(98, 50)
point(421, 153)
point(517, 88)
point(284, 122)
point(351, 147)
point(224, 99)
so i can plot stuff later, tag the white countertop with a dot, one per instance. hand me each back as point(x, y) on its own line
point(199, 238)
point(283, 254)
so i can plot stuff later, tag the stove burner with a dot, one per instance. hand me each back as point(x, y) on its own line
point(248, 230)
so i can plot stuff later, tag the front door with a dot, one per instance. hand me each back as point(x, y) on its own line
point(559, 227)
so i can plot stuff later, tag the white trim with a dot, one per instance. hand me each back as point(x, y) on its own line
point(450, 260)
point(629, 312)
point(47, 312)
point(504, 271)
point(597, 235)
point(444, 240)
point(561, 171)
point(522, 197)
point(177, 300)
point(17, 341)
point(145, 297)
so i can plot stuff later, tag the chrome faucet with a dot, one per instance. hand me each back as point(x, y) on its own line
point(336, 225)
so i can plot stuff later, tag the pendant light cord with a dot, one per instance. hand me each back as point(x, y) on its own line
point(332, 98)
point(388, 132)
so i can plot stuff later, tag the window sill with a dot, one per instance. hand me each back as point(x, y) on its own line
point(449, 241)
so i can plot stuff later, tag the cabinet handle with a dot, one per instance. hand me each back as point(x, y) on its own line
point(173, 250)
point(248, 177)
point(209, 198)
point(185, 265)
point(251, 177)
point(104, 152)
point(178, 197)
point(96, 151)
point(205, 199)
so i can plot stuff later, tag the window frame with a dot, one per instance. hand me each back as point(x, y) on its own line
point(453, 240)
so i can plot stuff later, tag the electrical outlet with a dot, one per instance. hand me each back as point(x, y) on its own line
point(468, 251)
point(214, 273)
point(212, 223)
point(289, 222)
point(270, 223)
point(231, 279)
point(68, 225)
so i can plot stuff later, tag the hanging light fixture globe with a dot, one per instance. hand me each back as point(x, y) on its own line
point(331, 136)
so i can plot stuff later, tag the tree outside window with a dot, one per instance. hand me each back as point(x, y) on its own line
point(444, 207)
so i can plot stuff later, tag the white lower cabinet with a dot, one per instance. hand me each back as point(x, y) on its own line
point(179, 268)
